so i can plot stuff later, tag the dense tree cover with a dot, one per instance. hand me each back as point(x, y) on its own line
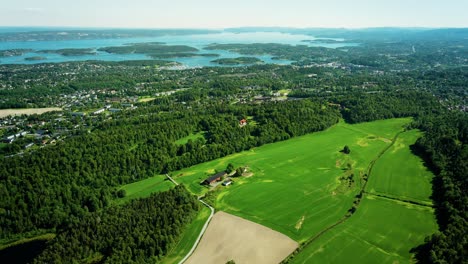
point(142, 231)
point(383, 105)
point(59, 185)
point(445, 147)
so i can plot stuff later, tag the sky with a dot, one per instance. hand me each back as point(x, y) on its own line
point(234, 13)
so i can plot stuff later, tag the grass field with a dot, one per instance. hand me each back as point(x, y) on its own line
point(401, 174)
point(184, 140)
point(188, 238)
point(145, 188)
point(381, 231)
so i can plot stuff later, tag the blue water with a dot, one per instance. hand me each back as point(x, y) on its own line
point(197, 41)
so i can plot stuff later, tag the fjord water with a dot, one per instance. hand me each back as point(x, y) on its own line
point(198, 41)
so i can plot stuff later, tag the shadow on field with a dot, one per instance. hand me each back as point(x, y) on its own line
point(23, 253)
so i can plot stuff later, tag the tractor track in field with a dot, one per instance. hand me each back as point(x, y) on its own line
point(353, 209)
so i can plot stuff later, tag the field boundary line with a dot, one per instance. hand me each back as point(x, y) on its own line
point(408, 201)
point(353, 209)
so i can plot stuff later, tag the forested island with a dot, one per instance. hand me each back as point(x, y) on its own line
point(153, 49)
point(238, 61)
point(35, 58)
point(14, 52)
point(62, 173)
point(70, 52)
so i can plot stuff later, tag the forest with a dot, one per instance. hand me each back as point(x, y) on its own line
point(107, 237)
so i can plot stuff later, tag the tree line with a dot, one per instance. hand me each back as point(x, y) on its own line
point(142, 231)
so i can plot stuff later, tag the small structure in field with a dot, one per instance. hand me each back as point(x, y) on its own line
point(227, 182)
point(214, 178)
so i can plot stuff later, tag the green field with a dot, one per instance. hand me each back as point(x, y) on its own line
point(188, 238)
point(401, 174)
point(184, 140)
point(381, 224)
point(295, 187)
point(381, 231)
point(145, 188)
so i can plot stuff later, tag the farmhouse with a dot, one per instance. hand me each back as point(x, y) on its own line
point(214, 178)
point(243, 122)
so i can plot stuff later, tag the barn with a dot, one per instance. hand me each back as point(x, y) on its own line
point(214, 178)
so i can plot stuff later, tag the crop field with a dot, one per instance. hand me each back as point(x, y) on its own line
point(230, 237)
point(296, 187)
point(399, 173)
point(381, 231)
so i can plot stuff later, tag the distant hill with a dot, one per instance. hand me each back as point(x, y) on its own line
point(383, 33)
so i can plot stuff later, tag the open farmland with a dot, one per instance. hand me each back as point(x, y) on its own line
point(303, 185)
point(381, 231)
point(230, 237)
point(381, 224)
point(295, 187)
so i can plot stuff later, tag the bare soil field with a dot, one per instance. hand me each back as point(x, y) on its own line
point(229, 237)
point(28, 111)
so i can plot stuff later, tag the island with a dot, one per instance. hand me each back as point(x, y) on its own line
point(238, 61)
point(71, 52)
point(323, 41)
point(14, 52)
point(149, 48)
point(35, 58)
point(181, 55)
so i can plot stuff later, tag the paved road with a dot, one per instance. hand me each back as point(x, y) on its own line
point(203, 229)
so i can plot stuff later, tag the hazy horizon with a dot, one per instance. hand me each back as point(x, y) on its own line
point(211, 14)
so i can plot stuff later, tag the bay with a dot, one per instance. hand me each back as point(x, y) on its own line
point(198, 41)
